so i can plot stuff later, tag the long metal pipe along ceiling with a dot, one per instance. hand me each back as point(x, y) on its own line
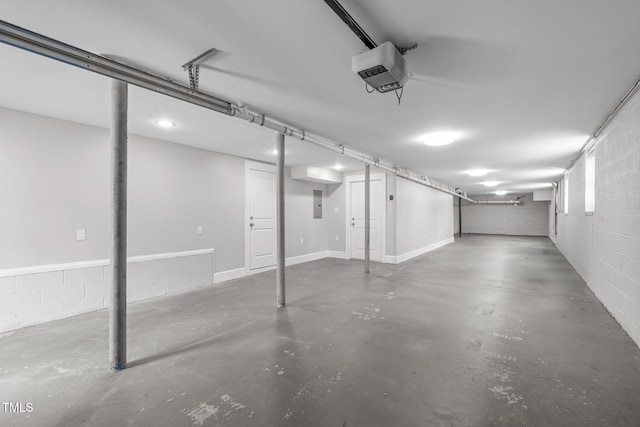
point(33, 42)
point(497, 202)
point(260, 119)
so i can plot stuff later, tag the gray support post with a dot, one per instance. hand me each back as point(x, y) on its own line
point(280, 293)
point(118, 265)
point(367, 216)
point(459, 217)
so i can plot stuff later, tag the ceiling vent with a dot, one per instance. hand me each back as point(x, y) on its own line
point(383, 68)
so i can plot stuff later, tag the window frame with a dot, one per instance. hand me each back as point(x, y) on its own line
point(590, 182)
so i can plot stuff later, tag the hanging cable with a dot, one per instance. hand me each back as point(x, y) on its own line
point(399, 96)
point(366, 87)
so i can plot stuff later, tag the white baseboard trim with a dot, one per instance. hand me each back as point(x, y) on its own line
point(337, 254)
point(237, 273)
point(306, 258)
point(168, 255)
point(417, 252)
point(389, 259)
point(9, 272)
point(224, 276)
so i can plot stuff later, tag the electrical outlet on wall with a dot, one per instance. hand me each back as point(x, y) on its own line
point(336, 209)
point(301, 240)
point(81, 234)
point(199, 230)
point(337, 237)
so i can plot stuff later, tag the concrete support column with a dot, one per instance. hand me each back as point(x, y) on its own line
point(459, 217)
point(118, 265)
point(367, 216)
point(280, 262)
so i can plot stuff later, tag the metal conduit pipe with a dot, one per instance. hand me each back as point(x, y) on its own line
point(22, 38)
point(242, 111)
point(33, 42)
point(497, 202)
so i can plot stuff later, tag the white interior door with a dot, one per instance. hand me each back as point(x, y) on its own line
point(262, 218)
point(356, 220)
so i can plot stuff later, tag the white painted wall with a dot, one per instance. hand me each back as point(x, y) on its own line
point(56, 180)
point(605, 248)
point(527, 219)
point(423, 215)
point(55, 177)
point(335, 212)
point(392, 220)
point(456, 215)
point(552, 215)
point(300, 223)
point(337, 225)
point(424, 219)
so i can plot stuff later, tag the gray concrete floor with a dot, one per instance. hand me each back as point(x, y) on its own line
point(488, 331)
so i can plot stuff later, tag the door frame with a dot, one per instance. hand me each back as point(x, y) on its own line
point(264, 167)
point(378, 176)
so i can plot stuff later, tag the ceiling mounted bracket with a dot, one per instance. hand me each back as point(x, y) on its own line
point(403, 50)
point(193, 66)
point(194, 76)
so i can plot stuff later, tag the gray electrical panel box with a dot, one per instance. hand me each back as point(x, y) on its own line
point(317, 204)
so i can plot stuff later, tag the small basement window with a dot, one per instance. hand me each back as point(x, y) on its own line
point(565, 194)
point(590, 182)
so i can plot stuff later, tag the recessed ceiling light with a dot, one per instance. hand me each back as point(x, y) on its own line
point(273, 152)
point(491, 183)
point(338, 166)
point(501, 192)
point(477, 172)
point(439, 138)
point(165, 123)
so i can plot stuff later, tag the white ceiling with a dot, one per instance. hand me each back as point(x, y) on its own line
point(525, 83)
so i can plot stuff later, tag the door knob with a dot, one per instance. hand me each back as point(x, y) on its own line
point(251, 225)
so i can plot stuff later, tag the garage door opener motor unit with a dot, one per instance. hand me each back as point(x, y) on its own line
point(383, 68)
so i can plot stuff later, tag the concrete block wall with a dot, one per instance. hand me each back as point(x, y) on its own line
point(28, 298)
point(605, 248)
point(527, 219)
point(575, 229)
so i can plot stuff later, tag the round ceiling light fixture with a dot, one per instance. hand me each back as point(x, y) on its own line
point(500, 193)
point(165, 123)
point(477, 172)
point(338, 167)
point(437, 139)
point(490, 183)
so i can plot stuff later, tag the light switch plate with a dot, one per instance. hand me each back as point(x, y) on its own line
point(200, 229)
point(336, 209)
point(81, 234)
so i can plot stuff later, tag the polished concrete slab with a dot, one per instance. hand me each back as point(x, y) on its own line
point(487, 331)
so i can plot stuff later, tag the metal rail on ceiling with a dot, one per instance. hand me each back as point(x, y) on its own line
point(33, 42)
